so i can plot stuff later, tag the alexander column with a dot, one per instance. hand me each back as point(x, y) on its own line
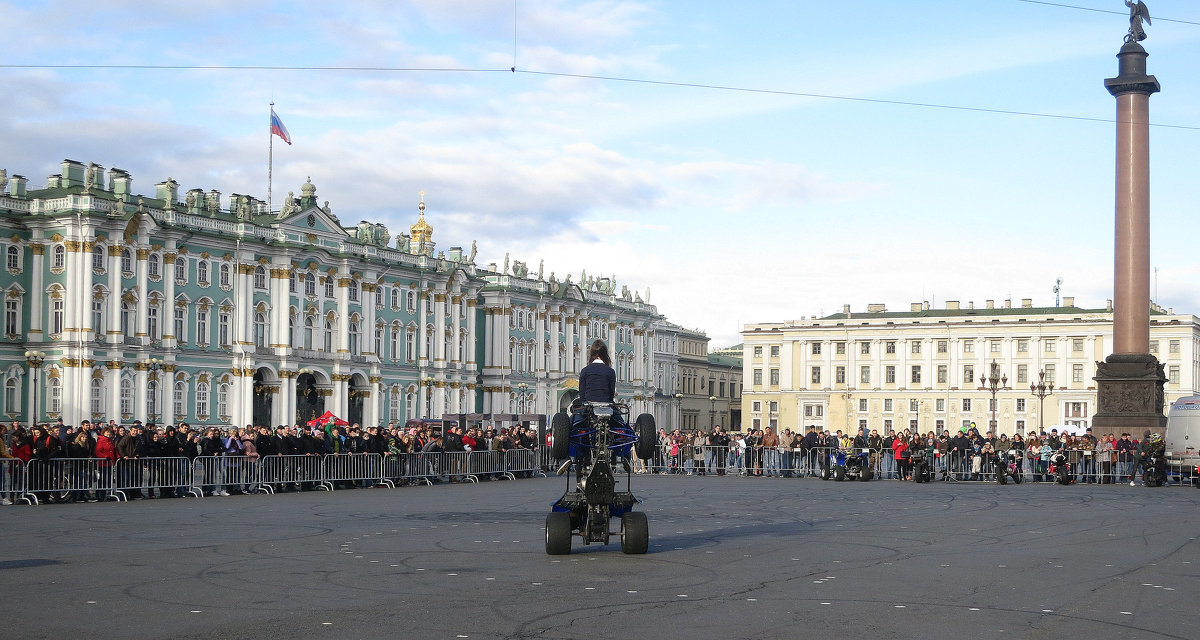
point(1130, 381)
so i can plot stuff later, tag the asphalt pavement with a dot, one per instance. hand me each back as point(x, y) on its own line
point(729, 558)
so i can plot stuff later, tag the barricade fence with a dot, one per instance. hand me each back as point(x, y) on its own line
point(78, 479)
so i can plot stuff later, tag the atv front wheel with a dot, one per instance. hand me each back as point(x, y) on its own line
point(558, 533)
point(635, 533)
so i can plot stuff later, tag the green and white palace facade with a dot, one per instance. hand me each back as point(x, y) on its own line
point(216, 309)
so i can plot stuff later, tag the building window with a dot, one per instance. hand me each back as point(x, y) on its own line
point(942, 374)
point(1023, 345)
point(816, 375)
point(813, 411)
point(260, 329)
point(222, 400)
point(968, 346)
point(816, 348)
point(1049, 369)
point(864, 348)
point(756, 406)
point(310, 285)
point(54, 397)
point(942, 346)
point(410, 347)
point(1173, 374)
point(1020, 405)
point(181, 269)
point(260, 278)
point(758, 377)
point(98, 258)
point(774, 377)
point(1076, 373)
point(126, 264)
point(12, 317)
point(202, 400)
point(994, 345)
point(1077, 345)
point(411, 304)
point(1173, 346)
point(968, 374)
point(914, 405)
point(862, 405)
point(59, 257)
point(179, 398)
point(887, 405)
point(223, 327)
point(774, 351)
point(889, 374)
point(1022, 374)
point(98, 316)
point(395, 300)
point(889, 346)
point(97, 396)
point(864, 374)
point(966, 404)
point(224, 275)
point(202, 326)
point(12, 404)
point(1049, 342)
point(13, 258)
point(57, 314)
point(839, 348)
point(1154, 346)
point(915, 346)
point(916, 374)
point(355, 336)
point(939, 405)
point(202, 273)
point(329, 287)
point(757, 352)
point(353, 291)
point(128, 324)
point(181, 324)
point(126, 397)
point(839, 374)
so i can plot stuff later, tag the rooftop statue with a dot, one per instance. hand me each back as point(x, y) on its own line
point(3, 180)
point(1137, 13)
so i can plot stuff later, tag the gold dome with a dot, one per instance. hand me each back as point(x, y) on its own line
point(422, 231)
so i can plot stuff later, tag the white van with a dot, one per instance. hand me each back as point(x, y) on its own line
point(1183, 434)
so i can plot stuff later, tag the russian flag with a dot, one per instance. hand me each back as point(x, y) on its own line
point(278, 129)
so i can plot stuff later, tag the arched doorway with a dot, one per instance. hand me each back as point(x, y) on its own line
point(358, 393)
point(263, 398)
point(309, 401)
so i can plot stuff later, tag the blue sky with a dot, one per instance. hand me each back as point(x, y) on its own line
point(729, 206)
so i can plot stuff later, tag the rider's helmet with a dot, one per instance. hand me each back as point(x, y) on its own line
point(1156, 438)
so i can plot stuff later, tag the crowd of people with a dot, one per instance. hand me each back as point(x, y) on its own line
point(961, 455)
point(109, 443)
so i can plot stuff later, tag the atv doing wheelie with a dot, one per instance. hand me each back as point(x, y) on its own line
point(594, 439)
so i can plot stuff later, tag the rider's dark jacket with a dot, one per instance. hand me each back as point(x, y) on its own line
point(597, 383)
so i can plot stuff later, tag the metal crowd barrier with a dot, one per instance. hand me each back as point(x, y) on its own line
point(284, 472)
point(141, 477)
point(12, 479)
point(217, 474)
point(359, 469)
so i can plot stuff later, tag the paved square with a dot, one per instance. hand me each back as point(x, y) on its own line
point(729, 558)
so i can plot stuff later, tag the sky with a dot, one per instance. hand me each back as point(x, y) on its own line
point(610, 149)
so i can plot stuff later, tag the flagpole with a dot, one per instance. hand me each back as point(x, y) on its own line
point(270, 155)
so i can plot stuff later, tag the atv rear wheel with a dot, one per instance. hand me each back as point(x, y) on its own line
point(558, 533)
point(647, 437)
point(866, 475)
point(560, 436)
point(635, 533)
point(839, 473)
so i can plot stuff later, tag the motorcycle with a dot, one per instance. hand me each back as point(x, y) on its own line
point(1154, 472)
point(1008, 464)
point(922, 467)
point(1060, 469)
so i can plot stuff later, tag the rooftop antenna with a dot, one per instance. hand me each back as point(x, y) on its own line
point(1057, 289)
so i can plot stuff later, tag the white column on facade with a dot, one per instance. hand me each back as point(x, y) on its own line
point(141, 397)
point(37, 296)
point(439, 330)
point(471, 335)
point(167, 384)
point(422, 322)
point(455, 329)
point(113, 328)
point(242, 316)
point(166, 316)
point(570, 321)
point(112, 386)
point(280, 281)
point(143, 293)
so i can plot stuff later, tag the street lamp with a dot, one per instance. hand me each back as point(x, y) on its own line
point(427, 382)
point(679, 413)
point(521, 391)
point(712, 414)
point(993, 384)
point(155, 365)
point(1040, 391)
point(35, 360)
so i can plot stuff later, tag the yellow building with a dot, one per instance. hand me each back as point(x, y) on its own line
point(930, 369)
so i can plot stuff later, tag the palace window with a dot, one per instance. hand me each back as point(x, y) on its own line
point(202, 273)
point(889, 374)
point(916, 374)
point(126, 262)
point(202, 400)
point(224, 275)
point(98, 258)
point(13, 258)
point(260, 278)
point(310, 285)
point(864, 374)
point(181, 269)
point(59, 257)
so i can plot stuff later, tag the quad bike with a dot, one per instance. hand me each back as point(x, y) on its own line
point(1060, 469)
point(836, 466)
point(858, 465)
point(1008, 464)
point(594, 439)
point(922, 467)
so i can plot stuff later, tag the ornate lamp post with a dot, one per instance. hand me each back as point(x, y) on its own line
point(1040, 391)
point(522, 389)
point(155, 365)
point(679, 411)
point(994, 383)
point(712, 414)
point(35, 360)
point(427, 382)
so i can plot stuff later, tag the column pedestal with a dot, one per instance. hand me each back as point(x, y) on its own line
point(1130, 395)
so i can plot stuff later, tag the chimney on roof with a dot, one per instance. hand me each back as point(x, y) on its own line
point(1069, 301)
point(17, 187)
point(971, 304)
point(72, 174)
point(1108, 305)
point(914, 307)
point(1026, 303)
point(846, 310)
point(925, 306)
point(952, 305)
point(119, 182)
point(1008, 303)
point(991, 304)
point(876, 307)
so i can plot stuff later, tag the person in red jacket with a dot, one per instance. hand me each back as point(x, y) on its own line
point(900, 452)
point(106, 451)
